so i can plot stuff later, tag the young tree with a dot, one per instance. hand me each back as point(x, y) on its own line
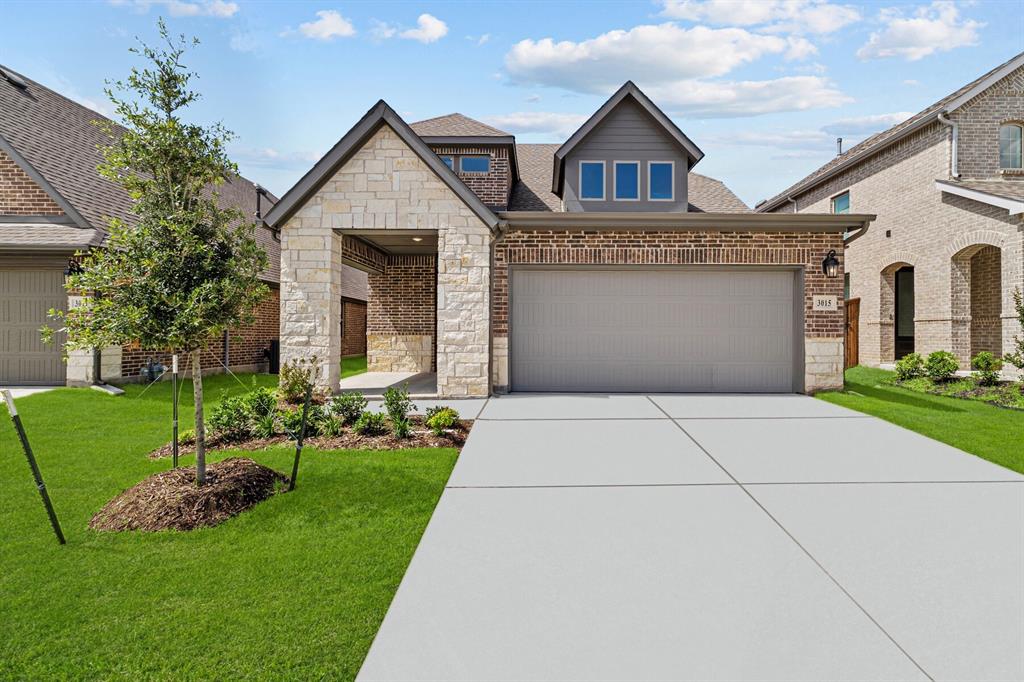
point(1016, 358)
point(186, 269)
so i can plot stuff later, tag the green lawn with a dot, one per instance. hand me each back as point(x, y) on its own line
point(990, 432)
point(295, 588)
point(352, 366)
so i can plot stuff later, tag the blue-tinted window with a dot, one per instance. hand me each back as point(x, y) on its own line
point(448, 161)
point(475, 164)
point(591, 180)
point(627, 181)
point(841, 203)
point(661, 181)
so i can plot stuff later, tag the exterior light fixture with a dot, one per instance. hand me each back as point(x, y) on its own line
point(830, 266)
point(417, 239)
point(73, 268)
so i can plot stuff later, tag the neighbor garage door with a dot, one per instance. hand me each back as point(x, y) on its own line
point(25, 297)
point(647, 330)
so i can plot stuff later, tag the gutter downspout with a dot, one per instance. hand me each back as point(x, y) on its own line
point(793, 201)
point(954, 169)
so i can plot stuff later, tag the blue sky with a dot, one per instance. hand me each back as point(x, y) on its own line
point(762, 86)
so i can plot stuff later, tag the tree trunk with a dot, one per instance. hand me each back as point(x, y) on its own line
point(197, 395)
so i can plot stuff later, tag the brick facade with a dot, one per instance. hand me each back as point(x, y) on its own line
point(823, 331)
point(20, 195)
point(353, 328)
point(937, 233)
point(493, 187)
point(400, 315)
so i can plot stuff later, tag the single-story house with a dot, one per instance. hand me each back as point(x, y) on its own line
point(54, 203)
point(601, 264)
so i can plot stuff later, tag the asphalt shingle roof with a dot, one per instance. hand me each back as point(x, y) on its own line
point(533, 192)
point(455, 125)
point(47, 235)
point(58, 138)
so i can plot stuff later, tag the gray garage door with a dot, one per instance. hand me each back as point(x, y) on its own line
point(25, 298)
point(647, 330)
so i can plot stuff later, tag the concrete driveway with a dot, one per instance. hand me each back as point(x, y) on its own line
point(710, 538)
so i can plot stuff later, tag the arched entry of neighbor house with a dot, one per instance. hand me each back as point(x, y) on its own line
point(896, 311)
point(976, 301)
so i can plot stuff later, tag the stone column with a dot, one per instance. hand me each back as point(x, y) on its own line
point(311, 295)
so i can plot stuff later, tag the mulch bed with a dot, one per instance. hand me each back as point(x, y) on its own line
point(170, 500)
point(421, 437)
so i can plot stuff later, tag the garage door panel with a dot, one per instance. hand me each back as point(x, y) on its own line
point(652, 330)
point(26, 297)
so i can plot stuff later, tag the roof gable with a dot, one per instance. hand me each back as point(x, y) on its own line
point(381, 114)
point(631, 91)
point(455, 125)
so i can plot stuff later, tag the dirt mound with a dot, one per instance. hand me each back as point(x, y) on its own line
point(170, 500)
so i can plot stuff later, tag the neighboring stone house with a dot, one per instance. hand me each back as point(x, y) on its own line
point(602, 264)
point(53, 203)
point(939, 266)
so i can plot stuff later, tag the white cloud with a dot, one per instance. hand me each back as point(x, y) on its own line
point(382, 30)
point(268, 157)
point(329, 25)
point(860, 126)
point(429, 29)
point(480, 40)
point(789, 139)
point(937, 27)
point(800, 48)
point(784, 16)
point(658, 54)
point(538, 122)
point(245, 42)
point(722, 99)
point(182, 8)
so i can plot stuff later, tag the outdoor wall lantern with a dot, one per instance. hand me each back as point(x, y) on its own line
point(73, 268)
point(830, 266)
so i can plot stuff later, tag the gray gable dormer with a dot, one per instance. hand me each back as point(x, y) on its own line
point(631, 140)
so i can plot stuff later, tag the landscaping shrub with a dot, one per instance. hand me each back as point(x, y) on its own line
point(987, 366)
point(329, 425)
point(229, 418)
point(401, 427)
point(370, 424)
point(441, 418)
point(941, 365)
point(260, 402)
point(291, 420)
point(1016, 356)
point(397, 403)
point(909, 367)
point(349, 406)
point(265, 426)
point(297, 376)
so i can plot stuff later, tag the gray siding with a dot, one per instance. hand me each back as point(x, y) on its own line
point(626, 134)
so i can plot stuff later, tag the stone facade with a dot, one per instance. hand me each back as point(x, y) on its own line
point(20, 195)
point(823, 331)
point(939, 234)
point(385, 185)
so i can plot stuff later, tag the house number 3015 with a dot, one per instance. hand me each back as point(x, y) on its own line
point(825, 303)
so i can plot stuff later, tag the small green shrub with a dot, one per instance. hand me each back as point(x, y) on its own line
point(349, 406)
point(329, 425)
point(187, 436)
point(439, 419)
point(909, 367)
point(297, 376)
point(229, 418)
point(291, 420)
point(941, 365)
point(397, 403)
point(987, 367)
point(265, 426)
point(401, 427)
point(260, 402)
point(370, 424)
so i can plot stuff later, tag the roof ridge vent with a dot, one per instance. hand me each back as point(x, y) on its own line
point(13, 78)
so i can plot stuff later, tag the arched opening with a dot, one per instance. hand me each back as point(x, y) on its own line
point(976, 302)
point(896, 312)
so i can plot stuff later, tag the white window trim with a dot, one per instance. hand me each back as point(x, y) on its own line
point(604, 180)
point(672, 165)
point(1019, 126)
point(832, 202)
point(615, 179)
point(475, 156)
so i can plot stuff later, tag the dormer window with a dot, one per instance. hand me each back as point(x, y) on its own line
point(627, 181)
point(592, 180)
point(449, 161)
point(475, 164)
point(660, 181)
point(1010, 145)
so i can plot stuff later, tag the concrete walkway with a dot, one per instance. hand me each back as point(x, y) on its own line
point(373, 384)
point(710, 538)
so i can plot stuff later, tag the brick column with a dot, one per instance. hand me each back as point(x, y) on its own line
point(311, 294)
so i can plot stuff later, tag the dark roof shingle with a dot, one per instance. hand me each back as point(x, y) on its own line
point(455, 125)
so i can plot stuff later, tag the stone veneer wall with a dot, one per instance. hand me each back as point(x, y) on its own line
point(20, 195)
point(400, 320)
point(823, 331)
point(385, 185)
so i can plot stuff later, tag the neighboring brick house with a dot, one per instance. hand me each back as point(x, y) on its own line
point(53, 203)
point(602, 264)
point(939, 266)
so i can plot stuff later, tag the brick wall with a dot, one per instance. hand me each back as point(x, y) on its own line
point(245, 346)
point(353, 328)
point(400, 315)
point(979, 122)
point(986, 273)
point(19, 194)
point(493, 187)
point(823, 331)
